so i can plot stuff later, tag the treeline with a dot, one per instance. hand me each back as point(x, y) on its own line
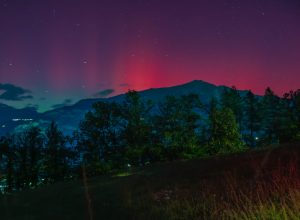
point(116, 136)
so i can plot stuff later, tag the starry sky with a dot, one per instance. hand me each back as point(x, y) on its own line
point(55, 52)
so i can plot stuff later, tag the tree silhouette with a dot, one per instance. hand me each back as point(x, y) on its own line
point(100, 135)
point(232, 99)
point(225, 136)
point(56, 154)
point(290, 110)
point(271, 123)
point(29, 146)
point(7, 159)
point(252, 118)
point(137, 129)
point(176, 123)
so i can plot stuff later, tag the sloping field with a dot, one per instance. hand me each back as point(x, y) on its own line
point(252, 185)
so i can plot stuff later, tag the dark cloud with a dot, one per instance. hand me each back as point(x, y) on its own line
point(104, 93)
point(63, 104)
point(11, 92)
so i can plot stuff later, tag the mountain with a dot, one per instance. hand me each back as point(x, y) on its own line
point(68, 117)
point(11, 117)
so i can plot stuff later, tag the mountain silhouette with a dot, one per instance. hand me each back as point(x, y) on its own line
point(69, 117)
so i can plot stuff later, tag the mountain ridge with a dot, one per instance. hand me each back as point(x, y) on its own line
point(68, 117)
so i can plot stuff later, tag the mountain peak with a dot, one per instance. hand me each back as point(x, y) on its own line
point(199, 85)
point(199, 82)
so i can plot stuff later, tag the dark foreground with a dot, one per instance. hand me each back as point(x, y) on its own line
point(252, 185)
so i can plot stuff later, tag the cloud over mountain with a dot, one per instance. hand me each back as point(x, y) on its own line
point(104, 93)
point(63, 104)
point(10, 92)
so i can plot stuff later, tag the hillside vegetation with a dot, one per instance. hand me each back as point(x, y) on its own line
point(122, 157)
point(251, 185)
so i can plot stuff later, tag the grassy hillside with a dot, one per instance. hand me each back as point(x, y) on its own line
point(252, 185)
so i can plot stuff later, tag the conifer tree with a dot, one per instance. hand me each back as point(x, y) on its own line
point(7, 156)
point(29, 146)
point(137, 129)
point(56, 154)
point(100, 135)
point(271, 122)
point(225, 137)
point(290, 117)
point(252, 118)
point(177, 122)
point(232, 99)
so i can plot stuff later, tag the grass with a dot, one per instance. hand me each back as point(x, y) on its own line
point(252, 185)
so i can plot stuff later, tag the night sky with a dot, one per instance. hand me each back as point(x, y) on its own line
point(59, 51)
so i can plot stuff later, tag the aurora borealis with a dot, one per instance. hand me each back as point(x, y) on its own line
point(72, 49)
